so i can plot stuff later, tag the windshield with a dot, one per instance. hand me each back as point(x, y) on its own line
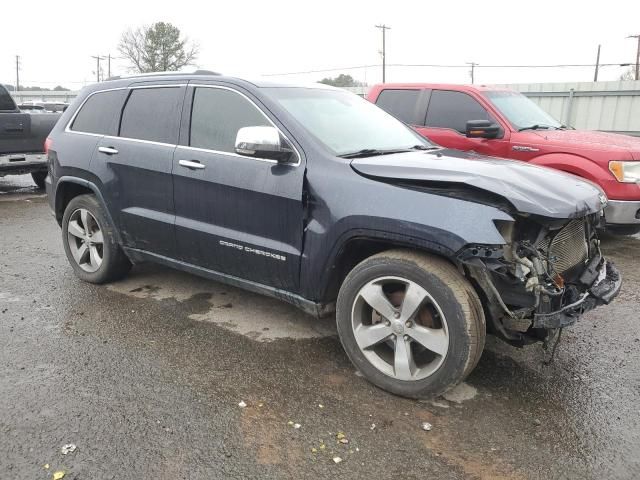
point(344, 122)
point(520, 111)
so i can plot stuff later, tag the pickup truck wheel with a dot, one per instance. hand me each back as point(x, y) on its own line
point(90, 243)
point(411, 323)
point(38, 179)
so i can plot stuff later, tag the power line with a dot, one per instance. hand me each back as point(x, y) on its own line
point(439, 65)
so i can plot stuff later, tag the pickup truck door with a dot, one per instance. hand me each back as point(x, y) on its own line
point(15, 129)
point(446, 117)
point(236, 215)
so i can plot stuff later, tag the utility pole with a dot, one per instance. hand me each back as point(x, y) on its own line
point(472, 72)
point(595, 75)
point(17, 72)
point(384, 29)
point(637, 55)
point(98, 58)
point(108, 66)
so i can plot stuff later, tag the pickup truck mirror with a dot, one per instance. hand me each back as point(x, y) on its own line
point(263, 142)
point(482, 129)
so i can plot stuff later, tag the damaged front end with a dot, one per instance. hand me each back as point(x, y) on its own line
point(547, 274)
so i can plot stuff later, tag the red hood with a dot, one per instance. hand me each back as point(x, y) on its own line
point(593, 139)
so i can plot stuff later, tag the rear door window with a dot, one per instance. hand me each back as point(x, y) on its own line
point(217, 115)
point(449, 109)
point(152, 114)
point(99, 113)
point(401, 104)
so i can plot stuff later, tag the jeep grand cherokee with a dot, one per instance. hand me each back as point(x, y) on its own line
point(315, 196)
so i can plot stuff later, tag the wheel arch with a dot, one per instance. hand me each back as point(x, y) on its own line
point(570, 163)
point(356, 246)
point(69, 187)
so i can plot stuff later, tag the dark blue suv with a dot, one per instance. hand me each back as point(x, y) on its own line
point(317, 197)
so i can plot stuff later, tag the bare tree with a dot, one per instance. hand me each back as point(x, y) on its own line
point(629, 74)
point(157, 48)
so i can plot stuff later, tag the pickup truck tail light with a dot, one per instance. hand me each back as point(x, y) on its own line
point(47, 145)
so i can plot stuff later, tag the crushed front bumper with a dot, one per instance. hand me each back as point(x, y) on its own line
point(604, 288)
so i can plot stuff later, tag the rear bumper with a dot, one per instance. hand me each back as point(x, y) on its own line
point(602, 291)
point(622, 212)
point(20, 163)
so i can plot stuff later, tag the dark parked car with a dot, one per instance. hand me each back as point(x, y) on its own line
point(22, 137)
point(317, 197)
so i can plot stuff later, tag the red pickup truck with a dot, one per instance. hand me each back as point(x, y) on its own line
point(504, 123)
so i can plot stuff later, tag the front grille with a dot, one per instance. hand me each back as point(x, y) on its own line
point(568, 247)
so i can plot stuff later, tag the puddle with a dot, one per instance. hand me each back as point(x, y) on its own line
point(258, 317)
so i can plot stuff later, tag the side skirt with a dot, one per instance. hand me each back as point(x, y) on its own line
point(308, 306)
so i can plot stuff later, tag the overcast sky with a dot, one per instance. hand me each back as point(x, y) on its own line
point(55, 41)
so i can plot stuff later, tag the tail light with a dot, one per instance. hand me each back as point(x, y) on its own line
point(47, 145)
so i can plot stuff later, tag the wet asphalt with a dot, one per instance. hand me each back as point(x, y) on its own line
point(144, 376)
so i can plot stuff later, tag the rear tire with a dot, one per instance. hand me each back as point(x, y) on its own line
point(90, 242)
point(449, 320)
point(38, 179)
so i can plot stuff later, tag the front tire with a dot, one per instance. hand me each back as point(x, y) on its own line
point(410, 322)
point(90, 242)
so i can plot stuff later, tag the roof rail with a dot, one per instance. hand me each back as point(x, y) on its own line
point(154, 74)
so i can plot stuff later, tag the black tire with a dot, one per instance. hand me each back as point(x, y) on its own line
point(623, 229)
point(38, 179)
point(456, 298)
point(115, 263)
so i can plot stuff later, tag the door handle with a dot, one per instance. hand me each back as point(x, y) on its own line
point(192, 164)
point(108, 150)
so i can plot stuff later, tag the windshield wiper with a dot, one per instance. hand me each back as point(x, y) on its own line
point(541, 126)
point(425, 147)
point(537, 126)
point(372, 152)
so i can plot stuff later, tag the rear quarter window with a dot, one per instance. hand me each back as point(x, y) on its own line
point(99, 113)
point(152, 114)
point(400, 103)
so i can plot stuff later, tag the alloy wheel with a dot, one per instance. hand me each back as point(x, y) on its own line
point(400, 328)
point(85, 239)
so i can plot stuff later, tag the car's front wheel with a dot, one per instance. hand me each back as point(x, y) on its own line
point(410, 322)
point(90, 243)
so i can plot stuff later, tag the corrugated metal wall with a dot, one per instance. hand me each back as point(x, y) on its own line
point(608, 106)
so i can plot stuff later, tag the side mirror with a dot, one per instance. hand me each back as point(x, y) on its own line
point(482, 129)
point(262, 142)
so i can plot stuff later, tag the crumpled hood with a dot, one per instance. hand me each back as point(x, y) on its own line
point(529, 188)
point(594, 139)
